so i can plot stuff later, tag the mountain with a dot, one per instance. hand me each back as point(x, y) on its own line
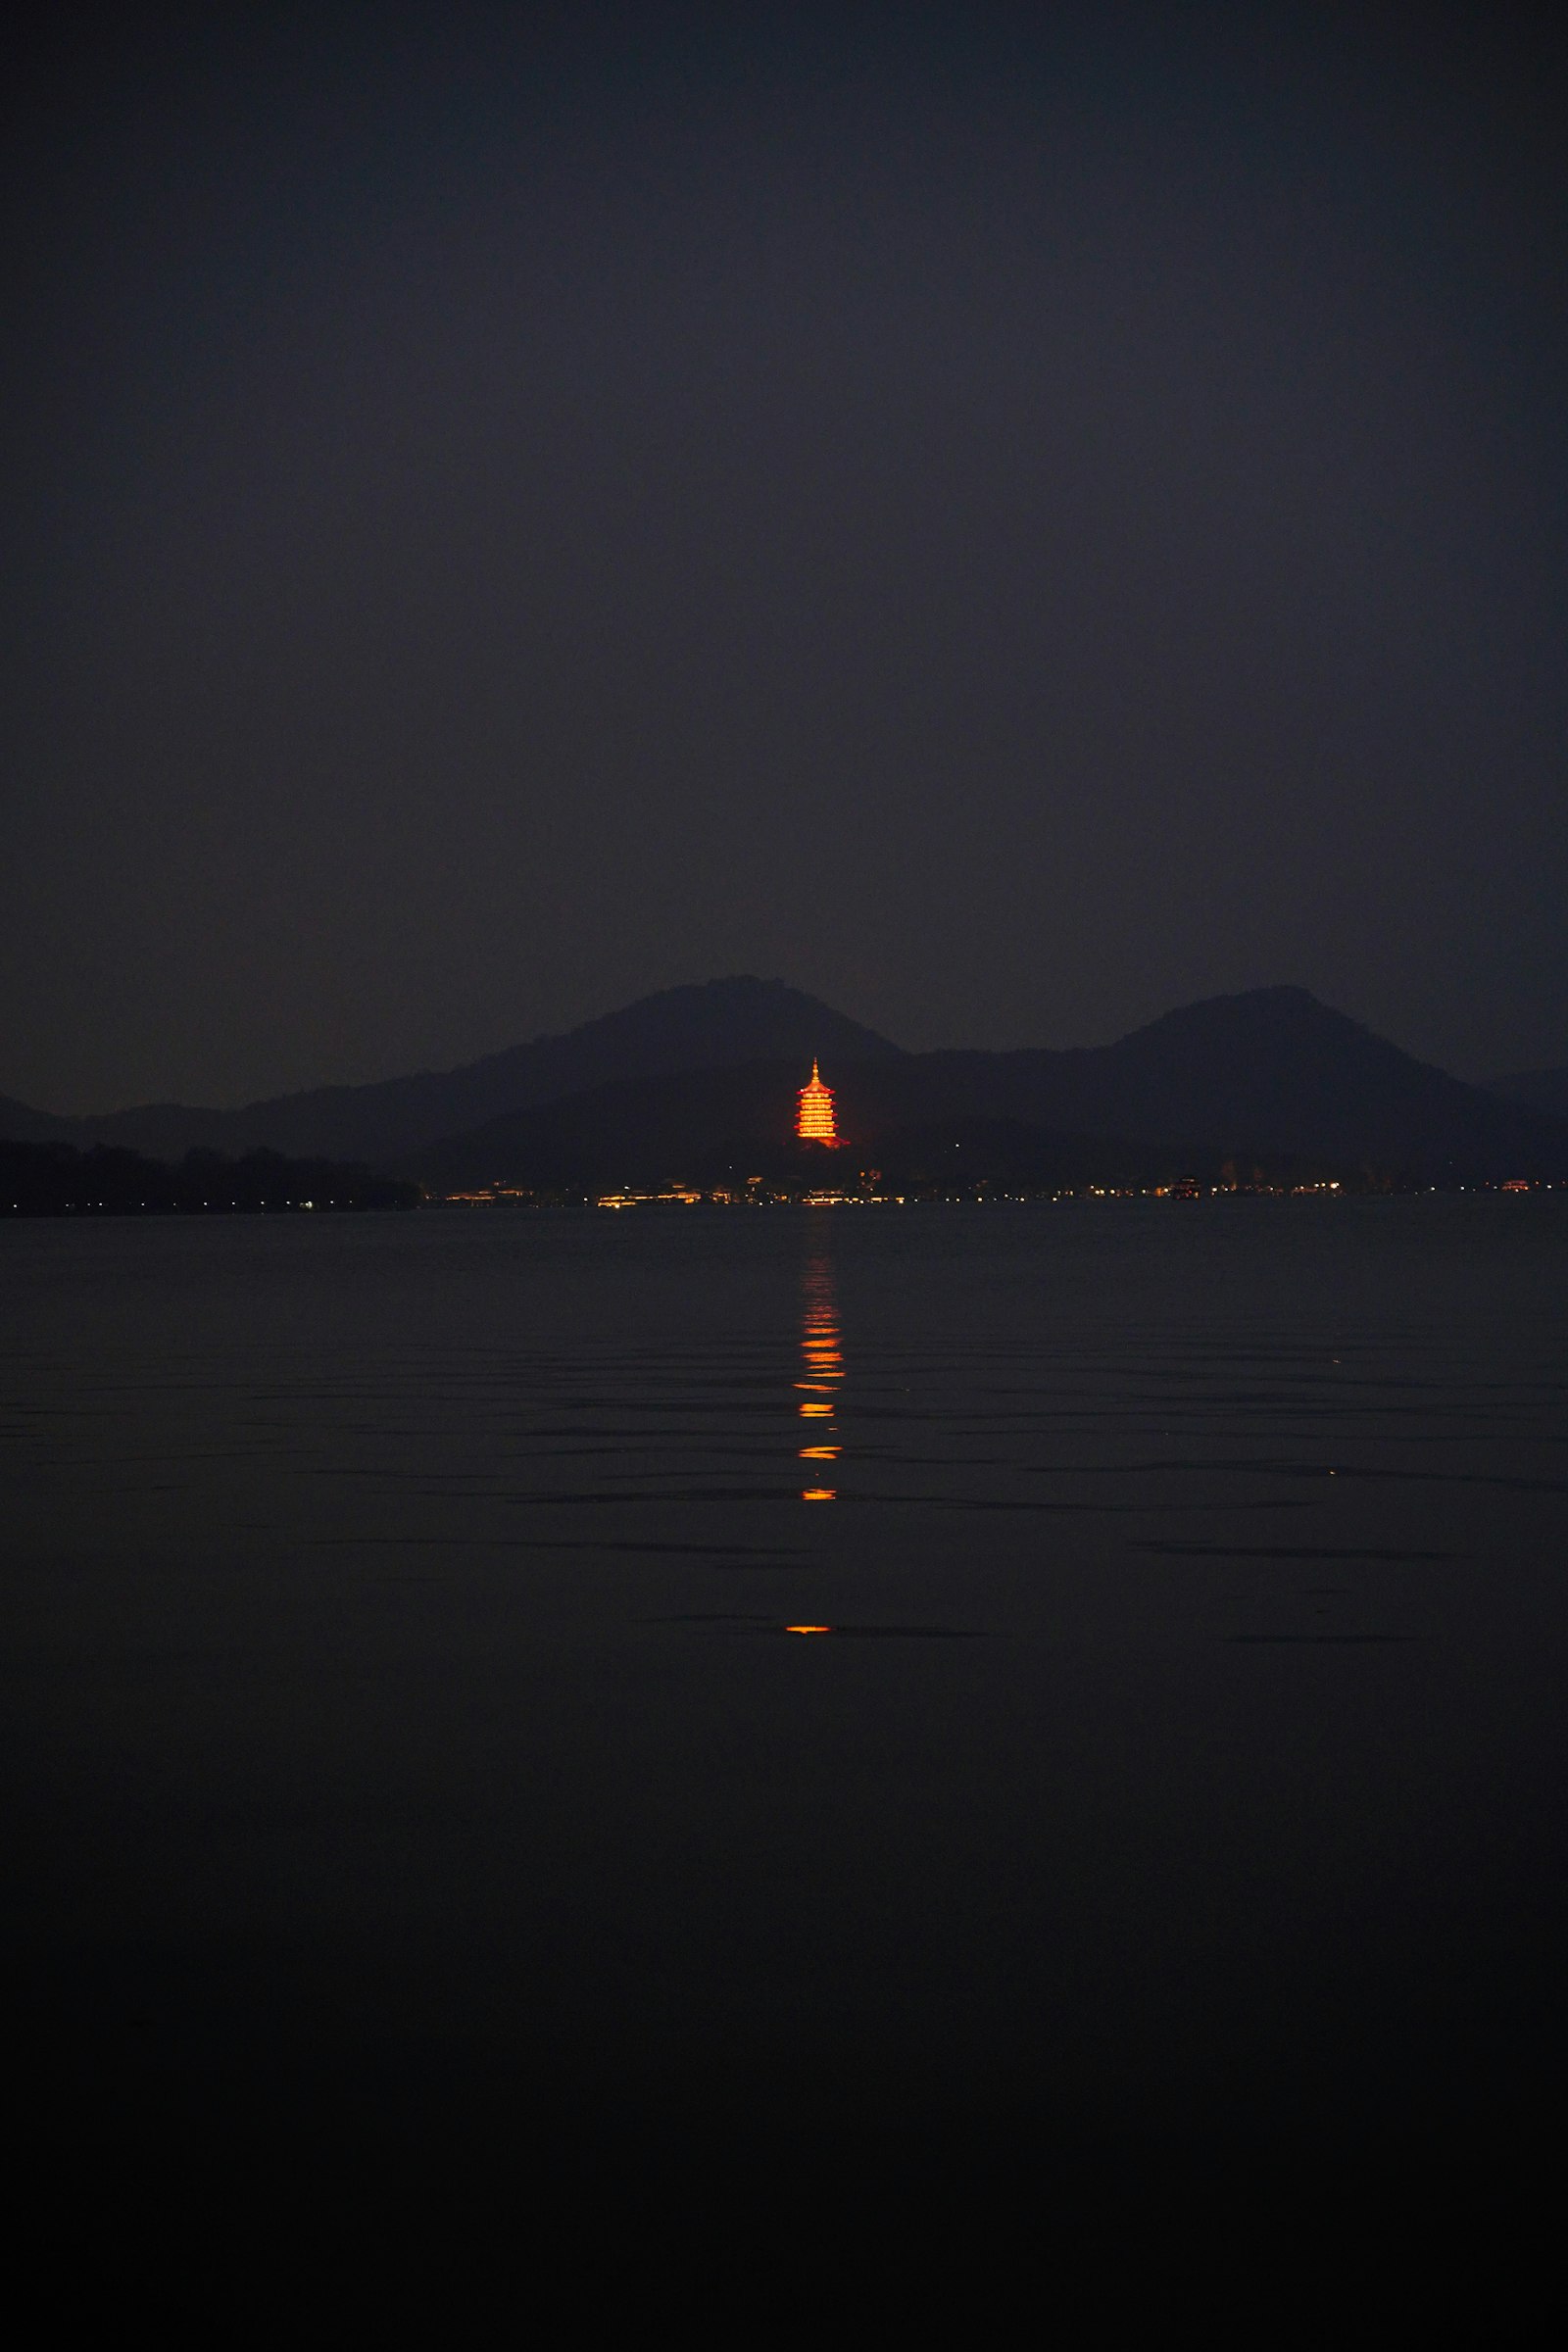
point(1273, 1070)
point(20, 1123)
point(702, 1027)
point(702, 1125)
point(716, 1128)
point(1272, 1073)
point(1538, 1090)
point(701, 1075)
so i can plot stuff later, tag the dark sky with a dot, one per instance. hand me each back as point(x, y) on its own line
point(1009, 519)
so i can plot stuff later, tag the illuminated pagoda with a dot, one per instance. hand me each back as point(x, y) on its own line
point(814, 1122)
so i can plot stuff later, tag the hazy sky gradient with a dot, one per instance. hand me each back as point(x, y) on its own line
point(1008, 518)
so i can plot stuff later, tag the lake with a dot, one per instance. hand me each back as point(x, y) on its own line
point(408, 1750)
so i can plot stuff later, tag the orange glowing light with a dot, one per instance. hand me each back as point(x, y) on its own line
point(814, 1122)
point(822, 1361)
point(807, 1628)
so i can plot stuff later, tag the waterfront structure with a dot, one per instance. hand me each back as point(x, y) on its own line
point(814, 1122)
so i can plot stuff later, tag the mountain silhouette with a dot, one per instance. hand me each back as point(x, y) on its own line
point(20, 1123)
point(1272, 1070)
point(706, 1026)
point(694, 1078)
point(718, 1128)
point(1272, 1073)
point(1538, 1090)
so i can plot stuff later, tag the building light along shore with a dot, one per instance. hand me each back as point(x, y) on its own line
point(814, 1122)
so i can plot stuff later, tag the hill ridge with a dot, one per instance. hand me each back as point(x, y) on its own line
point(698, 1024)
point(1262, 1073)
point(1271, 1070)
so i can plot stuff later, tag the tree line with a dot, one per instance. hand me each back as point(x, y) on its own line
point(55, 1180)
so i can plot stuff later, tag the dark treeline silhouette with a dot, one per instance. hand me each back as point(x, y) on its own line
point(55, 1180)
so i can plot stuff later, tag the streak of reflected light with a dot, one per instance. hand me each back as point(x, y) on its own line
point(822, 1367)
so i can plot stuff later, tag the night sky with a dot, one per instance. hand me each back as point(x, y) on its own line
point(1012, 520)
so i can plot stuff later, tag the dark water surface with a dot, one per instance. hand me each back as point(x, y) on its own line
point(404, 1745)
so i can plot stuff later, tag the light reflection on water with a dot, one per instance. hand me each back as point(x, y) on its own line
point(396, 1589)
point(822, 1366)
point(1119, 1386)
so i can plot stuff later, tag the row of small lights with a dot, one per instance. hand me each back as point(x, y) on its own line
point(205, 1205)
point(1093, 1192)
point(618, 1201)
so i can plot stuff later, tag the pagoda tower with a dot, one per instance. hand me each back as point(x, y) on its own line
point(814, 1122)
